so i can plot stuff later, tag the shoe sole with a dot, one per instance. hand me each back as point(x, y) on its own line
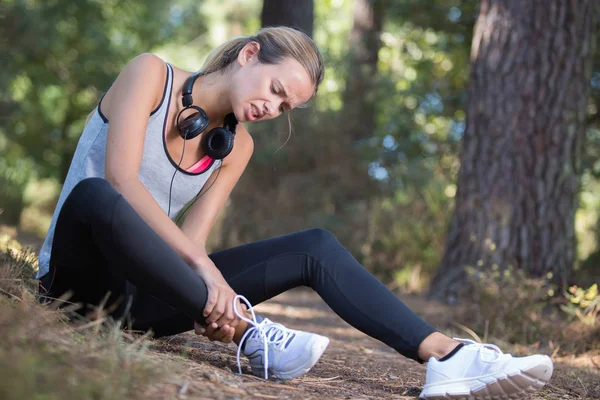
point(495, 386)
point(316, 351)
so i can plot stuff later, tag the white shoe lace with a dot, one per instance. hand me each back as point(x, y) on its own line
point(270, 332)
point(484, 348)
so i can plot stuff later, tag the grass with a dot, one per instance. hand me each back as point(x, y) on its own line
point(45, 355)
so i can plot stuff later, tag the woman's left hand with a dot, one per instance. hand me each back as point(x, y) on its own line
point(214, 333)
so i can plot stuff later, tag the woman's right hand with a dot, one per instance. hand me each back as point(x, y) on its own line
point(219, 305)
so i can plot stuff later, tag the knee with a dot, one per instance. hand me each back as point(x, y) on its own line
point(319, 242)
point(91, 195)
point(90, 187)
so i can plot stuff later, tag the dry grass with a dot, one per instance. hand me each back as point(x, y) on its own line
point(43, 355)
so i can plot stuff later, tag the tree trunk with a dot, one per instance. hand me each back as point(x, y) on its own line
point(521, 159)
point(293, 13)
point(359, 105)
point(357, 119)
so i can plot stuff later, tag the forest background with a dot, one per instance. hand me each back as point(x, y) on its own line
point(452, 147)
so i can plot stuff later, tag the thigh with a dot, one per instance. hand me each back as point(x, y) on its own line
point(263, 269)
point(255, 270)
point(236, 260)
point(78, 266)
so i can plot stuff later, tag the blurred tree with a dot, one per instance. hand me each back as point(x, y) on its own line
point(293, 13)
point(521, 159)
point(359, 96)
point(419, 120)
point(58, 57)
point(396, 219)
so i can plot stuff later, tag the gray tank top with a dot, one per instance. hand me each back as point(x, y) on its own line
point(156, 169)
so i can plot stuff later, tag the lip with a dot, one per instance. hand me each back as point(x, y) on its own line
point(250, 114)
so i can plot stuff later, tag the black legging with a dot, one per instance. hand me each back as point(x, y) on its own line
point(102, 244)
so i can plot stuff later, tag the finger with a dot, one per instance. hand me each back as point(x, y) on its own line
point(209, 331)
point(218, 334)
point(228, 338)
point(218, 310)
point(229, 310)
point(211, 302)
point(235, 321)
point(222, 321)
point(222, 333)
point(228, 316)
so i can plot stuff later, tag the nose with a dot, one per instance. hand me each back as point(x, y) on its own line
point(266, 109)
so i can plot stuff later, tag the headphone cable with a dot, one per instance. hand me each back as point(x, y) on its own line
point(200, 194)
point(173, 178)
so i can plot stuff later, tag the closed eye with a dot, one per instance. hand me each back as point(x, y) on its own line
point(275, 91)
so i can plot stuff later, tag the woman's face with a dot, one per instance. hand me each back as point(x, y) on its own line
point(263, 91)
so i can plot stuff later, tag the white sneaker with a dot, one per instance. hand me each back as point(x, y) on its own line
point(482, 371)
point(289, 354)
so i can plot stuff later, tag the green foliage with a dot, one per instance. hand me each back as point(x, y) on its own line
point(60, 56)
point(583, 303)
point(14, 175)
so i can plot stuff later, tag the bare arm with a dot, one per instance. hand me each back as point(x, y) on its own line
point(129, 102)
point(204, 212)
point(137, 91)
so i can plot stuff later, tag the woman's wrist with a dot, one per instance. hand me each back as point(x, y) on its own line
point(201, 262)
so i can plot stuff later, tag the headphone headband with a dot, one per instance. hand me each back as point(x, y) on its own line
point(188, 85)
point(230, 122)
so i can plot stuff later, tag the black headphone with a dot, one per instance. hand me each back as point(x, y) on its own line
point(218, 142)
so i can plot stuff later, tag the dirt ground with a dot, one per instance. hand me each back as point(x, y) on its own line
point(353, 367)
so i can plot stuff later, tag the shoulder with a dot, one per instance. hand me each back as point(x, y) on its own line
point(147, 62)
point(242, 149)
point(147, 68)
point(142, 81)
point(244, 139)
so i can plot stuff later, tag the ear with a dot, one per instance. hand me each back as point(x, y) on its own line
point(249, 53)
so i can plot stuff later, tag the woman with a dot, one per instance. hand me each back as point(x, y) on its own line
point(112, 240)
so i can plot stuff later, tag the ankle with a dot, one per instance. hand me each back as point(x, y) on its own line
point(239, 332)
point(436, 345)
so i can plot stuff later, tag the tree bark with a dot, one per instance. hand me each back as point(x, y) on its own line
point(359, 105)
point(297, 14)
point(520, 169)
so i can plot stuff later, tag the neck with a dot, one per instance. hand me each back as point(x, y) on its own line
point(211, 93)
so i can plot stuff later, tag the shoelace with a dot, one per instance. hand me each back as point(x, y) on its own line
point(255, 327)
point(483, 347)
point(270, 332)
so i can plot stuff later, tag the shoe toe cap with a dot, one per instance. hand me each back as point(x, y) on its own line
point(539, 367)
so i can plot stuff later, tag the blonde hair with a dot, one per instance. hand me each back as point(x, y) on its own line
point(276, 44)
